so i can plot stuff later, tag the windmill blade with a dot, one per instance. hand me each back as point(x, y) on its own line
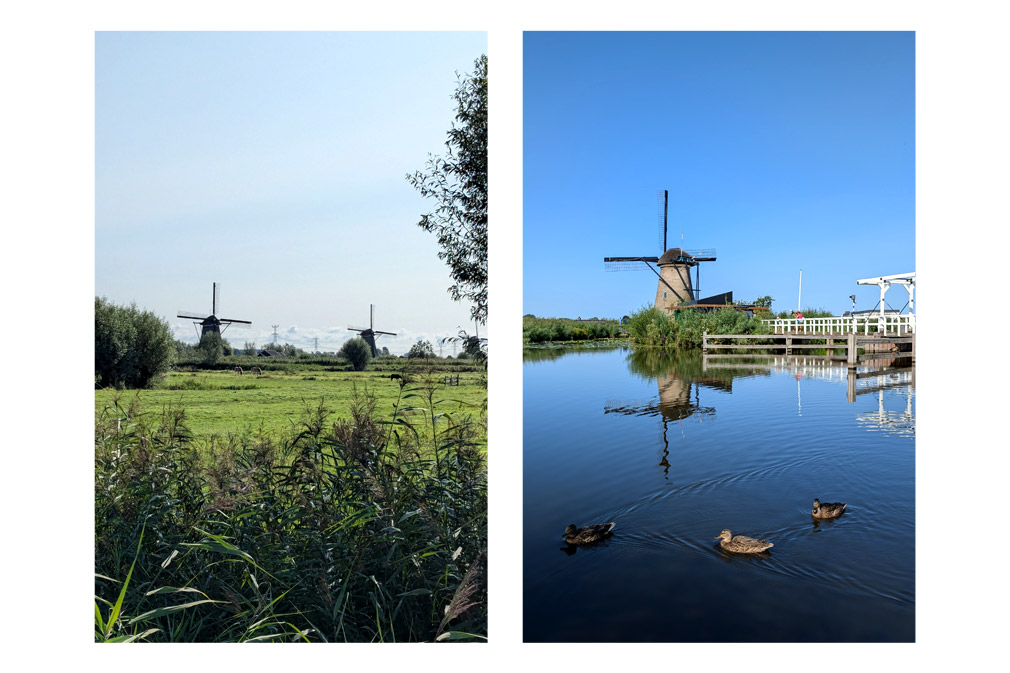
point(233, 320)
point(215, 305)
point(706, 255)
point(192, 315)
point(663, 201)
point(378, 332)
point(358, 329)
point(627, 263)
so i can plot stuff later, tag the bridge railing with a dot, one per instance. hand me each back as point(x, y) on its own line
point(866, 323)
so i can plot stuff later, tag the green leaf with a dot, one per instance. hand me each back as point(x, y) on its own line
point(122, 594)
point(459, 635)
point(135, 636)
point(222, 547)
point(171, 609)
point(172, 590)
point(98, 619)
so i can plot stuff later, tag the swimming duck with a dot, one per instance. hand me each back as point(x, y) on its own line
point(827, 510)
point(587, 534)
point(741, 543)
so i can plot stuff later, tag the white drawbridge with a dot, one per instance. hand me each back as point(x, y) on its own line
point(906, 280)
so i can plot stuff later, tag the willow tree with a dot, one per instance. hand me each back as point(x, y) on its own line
point(458, 184)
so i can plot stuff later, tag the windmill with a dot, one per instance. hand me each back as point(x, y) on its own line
point(369, 334)
point(674, 264)
point(211, 323)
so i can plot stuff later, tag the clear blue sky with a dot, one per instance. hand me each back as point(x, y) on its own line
point(783, 151)
point(274, 164)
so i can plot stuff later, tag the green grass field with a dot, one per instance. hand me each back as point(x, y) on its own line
point(223, 402)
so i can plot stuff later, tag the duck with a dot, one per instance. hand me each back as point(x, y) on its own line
point(827, 510)
point(741, 543)
point(587, 534)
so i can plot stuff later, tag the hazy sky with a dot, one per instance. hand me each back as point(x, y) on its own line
point(274, 164)
point(782, 151)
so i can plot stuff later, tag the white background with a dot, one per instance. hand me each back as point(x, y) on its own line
point(48, 271)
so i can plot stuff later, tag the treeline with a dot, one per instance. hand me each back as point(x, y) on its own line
point(541, 330)
point(135, 348)
point(807, 313)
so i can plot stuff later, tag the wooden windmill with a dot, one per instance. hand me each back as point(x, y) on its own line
point(370, 333)
point(211, 323)
point(675, 264)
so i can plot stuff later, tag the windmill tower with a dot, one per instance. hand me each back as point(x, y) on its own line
point(370, 333)
point(211, 323)
point(675, 287)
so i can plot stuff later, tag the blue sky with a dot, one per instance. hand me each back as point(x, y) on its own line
point(274, 164)
point(783, 151)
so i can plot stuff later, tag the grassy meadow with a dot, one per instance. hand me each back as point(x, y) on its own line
point(219, 402)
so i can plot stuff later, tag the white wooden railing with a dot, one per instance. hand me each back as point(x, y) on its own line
point(866, 323)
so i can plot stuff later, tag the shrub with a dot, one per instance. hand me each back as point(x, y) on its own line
point(133, 348)
point(357, 352)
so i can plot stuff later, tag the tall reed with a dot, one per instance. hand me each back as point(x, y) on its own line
point(354, 529)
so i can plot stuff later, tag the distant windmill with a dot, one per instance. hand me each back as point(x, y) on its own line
point(211, 323)
point(370, 333)
point(674, 266)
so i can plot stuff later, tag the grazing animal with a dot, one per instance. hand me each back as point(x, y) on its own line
point(256, 370)
point(238, 370)
point(827, 510)
point(742, 544)
point(394, 376)
point(587, 534)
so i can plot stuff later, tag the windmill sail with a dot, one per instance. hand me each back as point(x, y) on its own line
point(663, 199)
point(211, 323)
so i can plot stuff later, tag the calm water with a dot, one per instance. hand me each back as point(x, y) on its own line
point(674, 454)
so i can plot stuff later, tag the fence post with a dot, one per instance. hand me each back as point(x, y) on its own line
point(704, 342)
point(851, 358)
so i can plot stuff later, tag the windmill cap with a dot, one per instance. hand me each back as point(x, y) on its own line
point(675, 255)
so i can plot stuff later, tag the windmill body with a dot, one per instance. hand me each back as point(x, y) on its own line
point(675, 287)
point(211, 323)
point(369, 333)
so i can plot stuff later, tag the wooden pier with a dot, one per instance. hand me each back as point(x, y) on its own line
point(850, 343)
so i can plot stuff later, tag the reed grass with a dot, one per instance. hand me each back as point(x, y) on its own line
point(349, 529)
point(650, 326)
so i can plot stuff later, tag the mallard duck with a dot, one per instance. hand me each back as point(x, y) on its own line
point(587, 534)
point(741, 543)
point(827, 510)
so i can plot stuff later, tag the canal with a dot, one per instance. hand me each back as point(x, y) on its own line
point(675, 451)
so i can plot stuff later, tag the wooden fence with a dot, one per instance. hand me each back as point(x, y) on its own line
point(789, 343)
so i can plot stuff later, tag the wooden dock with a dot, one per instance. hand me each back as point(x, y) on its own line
point(873, 346)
